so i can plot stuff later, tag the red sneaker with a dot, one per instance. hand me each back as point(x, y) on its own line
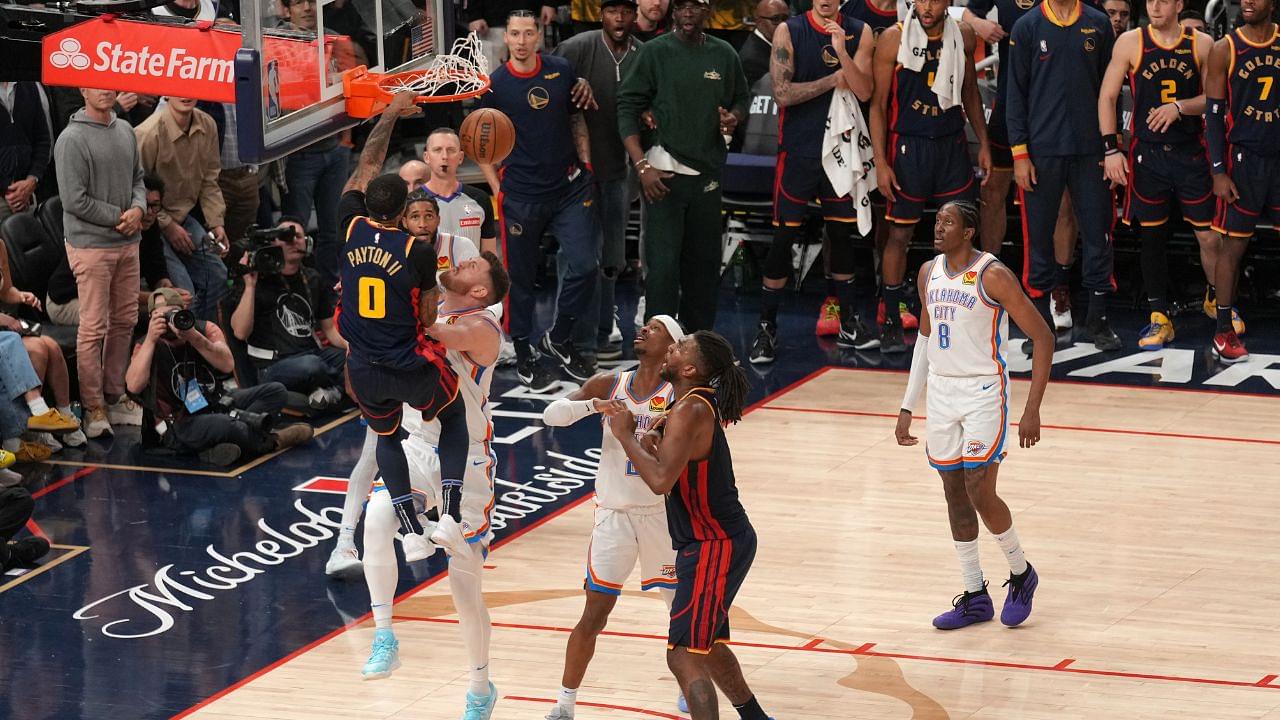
point(829, 318)
point(1228, 348)
point(909, 320)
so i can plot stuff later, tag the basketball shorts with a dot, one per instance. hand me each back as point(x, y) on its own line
point(928, 169)
point(382, 392)
point(477, 485)
point(1159, 172)
point(619, 538)
point(799, 181)
point(1257, 179)
point(708, 575)
point(998, 137)
point(967, 422)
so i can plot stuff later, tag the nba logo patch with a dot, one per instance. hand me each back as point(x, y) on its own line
point(442, 263)
point(658, 405)
point(970, 277)
point(975, 447)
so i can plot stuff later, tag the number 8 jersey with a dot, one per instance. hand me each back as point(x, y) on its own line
point(970, 331)
point(384, 272)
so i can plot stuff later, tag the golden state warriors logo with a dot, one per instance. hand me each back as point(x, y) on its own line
point(1025, 4)
point(829, 56)
point(658, 405)
point(1089, 44)
point(538, 97)
point(970, 277)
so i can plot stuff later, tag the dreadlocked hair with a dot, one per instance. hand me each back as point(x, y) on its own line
point(723, 373)
point(969, 214)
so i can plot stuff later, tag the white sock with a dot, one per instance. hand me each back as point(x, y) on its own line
point(38, 406)
point(1012, 550)
point(380, 570)
point(361, 481)
point(473, 616)
point(567, 699)
point(970, 566)
point(66, 411)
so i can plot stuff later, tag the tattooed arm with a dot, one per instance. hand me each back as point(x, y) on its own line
point(375, 147)
point(782, 68)
point(581, 141)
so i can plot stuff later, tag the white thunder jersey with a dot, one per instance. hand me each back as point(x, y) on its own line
point(452, 249)
point(970, 331)
point(474, 380)
point(618, 485)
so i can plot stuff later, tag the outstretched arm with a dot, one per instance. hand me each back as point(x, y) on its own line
point(587, 400)
point(375, 147)
point(687, 437)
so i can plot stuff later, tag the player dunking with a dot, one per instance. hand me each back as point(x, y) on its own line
point(1167, 157)
point(1243, 135)
point(961, 349)
point(710, 531)
point(472, 336)
point(388, 298)
point(631, 521)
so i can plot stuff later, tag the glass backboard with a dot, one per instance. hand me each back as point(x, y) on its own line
point(289, 70)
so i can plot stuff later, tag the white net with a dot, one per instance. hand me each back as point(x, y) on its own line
point(461, 71)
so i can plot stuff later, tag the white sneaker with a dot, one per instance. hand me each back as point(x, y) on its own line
point(419, 547)
point(558, 713)
point(640, 313)
point(125, 412)
point(344, 561)
point(333, 395)
point(95, 423)
point(318, 399)
point(507, 353)
point(449, 535)
point(1060, 308)
point(615, 335)
point(74, 439)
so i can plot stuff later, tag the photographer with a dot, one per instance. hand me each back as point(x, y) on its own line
point(174, 375)
point(276, 312)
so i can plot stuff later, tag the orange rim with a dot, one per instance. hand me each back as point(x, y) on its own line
point(369, 93)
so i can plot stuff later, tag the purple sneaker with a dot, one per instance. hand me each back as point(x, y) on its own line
point(966, 609)
point(1022, 589)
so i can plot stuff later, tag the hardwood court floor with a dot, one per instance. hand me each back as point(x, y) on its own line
point(1150, 515)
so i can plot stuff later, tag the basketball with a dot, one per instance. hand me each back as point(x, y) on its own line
point(487, 136)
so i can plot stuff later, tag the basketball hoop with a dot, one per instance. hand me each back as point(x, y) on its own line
point(461, 73)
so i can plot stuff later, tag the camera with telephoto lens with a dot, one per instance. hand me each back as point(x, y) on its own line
point(260, 253)
point(259, 423)
point(179, 319)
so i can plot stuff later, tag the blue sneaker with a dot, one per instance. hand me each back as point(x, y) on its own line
point(682, 705)
point(480, 707)
point(385, 657)
point(966, 609)
point(1022, 589)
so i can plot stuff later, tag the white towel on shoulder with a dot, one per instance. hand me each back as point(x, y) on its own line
point(950, 76)
point(847, 158)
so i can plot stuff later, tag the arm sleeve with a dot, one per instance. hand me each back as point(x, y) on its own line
point(636, 93)
point(1215, 134)
point(565, 412)
point(919, 374)
point(1019, 66)
point(211, 202)
point(139, 199)
point(73, 173)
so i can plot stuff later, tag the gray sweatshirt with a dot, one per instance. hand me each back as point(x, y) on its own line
point(99, 178)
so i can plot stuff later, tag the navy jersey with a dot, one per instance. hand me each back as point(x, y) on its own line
point(867, 12)
point(704, 503)
point(913, 105)
point(1055, 68)
point(801, 127)
point(540, 108)
point(384, 273)
point(1163, 75)
point(1253, 94)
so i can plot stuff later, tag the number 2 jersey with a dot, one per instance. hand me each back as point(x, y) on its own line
point(384, 273)
point(969, 330)
point(1163, 75)
point(618, 485)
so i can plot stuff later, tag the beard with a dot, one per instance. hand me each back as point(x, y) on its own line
point(666, 373)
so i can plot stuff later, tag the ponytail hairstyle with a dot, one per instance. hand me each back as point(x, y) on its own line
point(723, 373)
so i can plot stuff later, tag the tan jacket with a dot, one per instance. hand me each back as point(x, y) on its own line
point(187, 163)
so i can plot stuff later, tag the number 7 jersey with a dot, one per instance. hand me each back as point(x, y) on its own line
point(970, 331)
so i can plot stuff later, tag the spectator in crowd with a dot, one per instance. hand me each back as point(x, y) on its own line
point(755, 51)
point(24, 145)
point(415, 173)
point(1119, 13)
point(103, 202)
point(238, 182)
point(15, 510)
point(277, 315)
point(179, 145)
point(174, 376)
point(546, 186)
point(1193, 19)
point(603, 57)
point(199, 10)
point(23, 408)
point(488, 20)
point(465, 210)
point(652, 19)
point(680, 171)
point(62, 303)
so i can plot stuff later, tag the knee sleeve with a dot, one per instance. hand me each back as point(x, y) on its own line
point(380, 526)
point(777, 265)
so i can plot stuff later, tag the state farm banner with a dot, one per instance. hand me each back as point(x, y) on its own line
point(164, 59)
